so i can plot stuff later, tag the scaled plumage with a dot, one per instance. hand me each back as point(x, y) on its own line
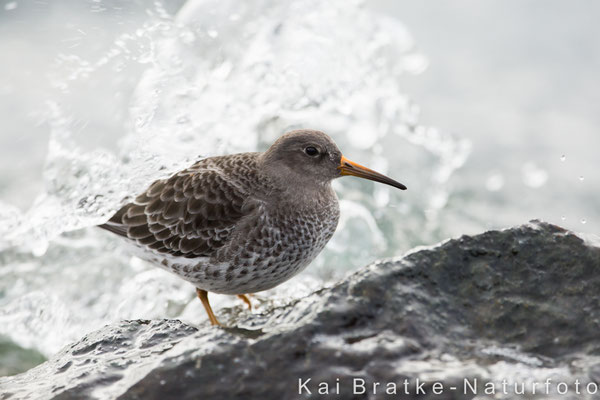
point(242, 223)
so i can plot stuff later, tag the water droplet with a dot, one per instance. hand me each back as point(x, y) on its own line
point(212, 33)
point(581, 178)
point(534, 176)
point(494, 182)
point(187, 37)
point(563, 157)
point(563, 218)
point(583, 221)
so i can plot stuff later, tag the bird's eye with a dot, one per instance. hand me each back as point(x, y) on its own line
point(311, 151)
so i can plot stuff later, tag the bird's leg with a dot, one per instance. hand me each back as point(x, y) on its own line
point(203, 296)
point(246, 300)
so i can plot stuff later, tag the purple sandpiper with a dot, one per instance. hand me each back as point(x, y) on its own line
point(242, 223)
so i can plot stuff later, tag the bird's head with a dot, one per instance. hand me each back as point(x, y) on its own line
point(307, 157)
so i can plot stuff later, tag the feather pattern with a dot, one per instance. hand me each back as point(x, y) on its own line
point(192, 213)
point(236, 224)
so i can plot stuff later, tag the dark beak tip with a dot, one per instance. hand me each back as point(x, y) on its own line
point(348, 167)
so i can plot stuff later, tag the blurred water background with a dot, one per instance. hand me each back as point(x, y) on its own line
point(487, 111)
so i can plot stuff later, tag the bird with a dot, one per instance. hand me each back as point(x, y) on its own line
point(242, 223)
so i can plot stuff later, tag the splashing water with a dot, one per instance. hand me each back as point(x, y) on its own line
point(220, 77)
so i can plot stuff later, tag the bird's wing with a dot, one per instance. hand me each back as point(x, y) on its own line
point(191, 214)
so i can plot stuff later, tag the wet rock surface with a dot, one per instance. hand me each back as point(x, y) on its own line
point(519, 305)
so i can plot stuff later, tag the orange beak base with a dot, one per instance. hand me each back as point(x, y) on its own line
point(348, 167)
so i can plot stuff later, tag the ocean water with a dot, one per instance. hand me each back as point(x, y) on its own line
point(100, 98)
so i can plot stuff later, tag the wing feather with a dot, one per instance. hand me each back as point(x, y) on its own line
point(190, 214)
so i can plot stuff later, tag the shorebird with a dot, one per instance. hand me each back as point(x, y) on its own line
point(242, 223)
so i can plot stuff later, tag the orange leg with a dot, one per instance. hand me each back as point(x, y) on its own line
point(203, 296)
point(246, 300)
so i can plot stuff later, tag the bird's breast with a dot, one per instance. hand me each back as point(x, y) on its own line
point(279, 241)
point(304, 231)
point(307, 228)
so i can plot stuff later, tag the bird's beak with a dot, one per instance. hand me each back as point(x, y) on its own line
point(348, 167)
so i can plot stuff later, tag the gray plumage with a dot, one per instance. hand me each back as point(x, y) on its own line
point(242, 223)
point(239, 223)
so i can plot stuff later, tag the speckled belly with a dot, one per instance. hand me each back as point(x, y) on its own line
point(276, 248)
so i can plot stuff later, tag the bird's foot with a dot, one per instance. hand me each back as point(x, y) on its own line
point(246, 300)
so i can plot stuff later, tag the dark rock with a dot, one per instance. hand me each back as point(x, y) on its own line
point(516, 304)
